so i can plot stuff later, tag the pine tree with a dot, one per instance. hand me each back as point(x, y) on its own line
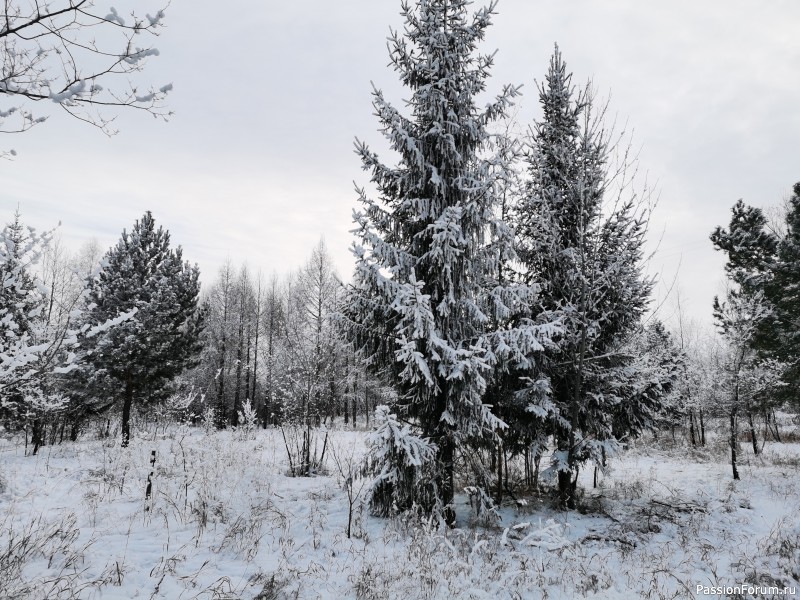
point(585, 244)
point(421, 303)
point(745, 314)
point(779, 334)
point(134, 362)
point(750, 248)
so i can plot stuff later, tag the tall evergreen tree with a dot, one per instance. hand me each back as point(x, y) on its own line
point(745, 314)
point(585, 243)
point(420, 301)
point(649, 396)
point(134, 361)
point(749, 246)
point(779, 334)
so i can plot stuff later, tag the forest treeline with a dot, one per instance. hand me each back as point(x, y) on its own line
point(273, 343)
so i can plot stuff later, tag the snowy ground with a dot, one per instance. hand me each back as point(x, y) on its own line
point(225, 522)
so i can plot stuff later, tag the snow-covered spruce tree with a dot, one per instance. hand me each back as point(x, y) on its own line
point(134, 362)
point(648, 394)
point(422, 303)
point(583, 238)
point(779, 333)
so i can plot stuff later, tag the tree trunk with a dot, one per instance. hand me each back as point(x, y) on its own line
point(602, 464)
point(702, 429)
point(504, 454)
point(305, 462)
point(54, 427)
point(691, 428)
point(37, 435)
point(565, 496)
point(222, 409)
point(446, 487)
point(355, 394)
point(775, 427)
point(566, 500)
point(752, 432)
point(74, 428)
point(345, 400)
point(269, 392)
point(733, 443)
point(332, 397)
point(527, 456)
point(237, 394)
point(499, 492)
point(247, 395)
point(126, 412)
point(366, 400)
point(255, 348)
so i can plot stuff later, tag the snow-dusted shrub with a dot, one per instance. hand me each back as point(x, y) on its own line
point(178, 407)
point(780, 555)
point(248, 420)
point(347, 466)
point(208, 418)
point(305, 448)
point(396, 460)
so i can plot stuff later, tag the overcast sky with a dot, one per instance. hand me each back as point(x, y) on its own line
point(257, 162)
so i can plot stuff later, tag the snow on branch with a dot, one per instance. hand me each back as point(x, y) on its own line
point(71, 54)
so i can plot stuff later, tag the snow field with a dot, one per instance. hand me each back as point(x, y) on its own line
point(224, 521)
